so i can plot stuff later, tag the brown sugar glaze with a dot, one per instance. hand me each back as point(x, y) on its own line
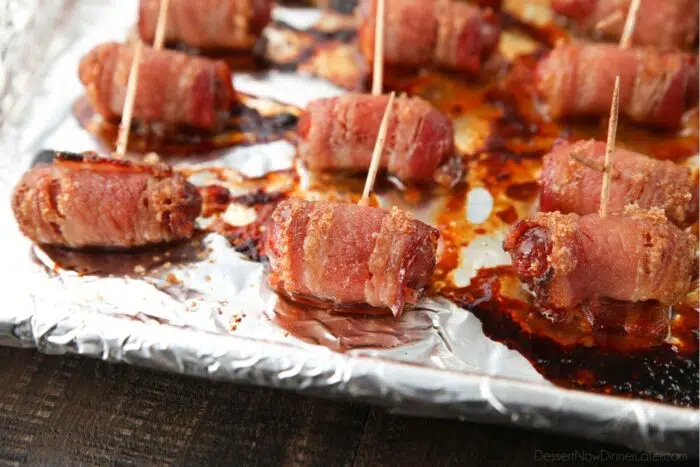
point(636, 350)
point(640, 350)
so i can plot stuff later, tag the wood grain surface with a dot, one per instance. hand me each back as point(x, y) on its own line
point(65, 410)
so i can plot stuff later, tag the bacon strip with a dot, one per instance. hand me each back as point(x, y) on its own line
point(655, 87)
point(569, 186)
point(209, 24)
point(172, 87)
point(495, 4)
point(667, 24)
point(339, 134)
point(84, 201)
point(345, 255)
point(418, 33)
point(635, 256)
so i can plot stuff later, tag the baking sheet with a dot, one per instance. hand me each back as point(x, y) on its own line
point(217, 319)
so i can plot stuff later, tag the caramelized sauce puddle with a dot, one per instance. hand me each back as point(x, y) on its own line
point(352, 327)
point(630, 356)
point(635, 351)
point(501, 135)
point(132, 262)
point(243, 125)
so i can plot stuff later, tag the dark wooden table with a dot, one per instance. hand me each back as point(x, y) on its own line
point(60, 410)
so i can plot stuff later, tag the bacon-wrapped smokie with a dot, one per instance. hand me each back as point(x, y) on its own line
point(418, 33)
point(172, 87)
point(208, 24)
point(569, 186)
point(89, 202)
point(655, 87)
point(634, 256)
point(339, 134)
point(666, 24)
point(495, 4)
point(344, 255)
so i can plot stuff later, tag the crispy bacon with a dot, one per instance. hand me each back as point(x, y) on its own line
point(418, 33)
point(567, 259)
point(569, 186)
point(172, 87)
point(85, 201)
point(655, 87)
point(666, 24)
point(339, 134)
point(344, 255)
point(209, 24)
point(495, 4)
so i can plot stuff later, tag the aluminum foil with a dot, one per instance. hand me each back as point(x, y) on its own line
point(212, 316)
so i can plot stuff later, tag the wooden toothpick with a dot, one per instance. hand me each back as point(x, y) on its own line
point(588, 162)
point(610, 149)
point(609, 20)
point(377, 153)
point(159, 40)
point(127, 114)
point(132, 83)
point(630, 23)
point(592, 163)
point(378, 71)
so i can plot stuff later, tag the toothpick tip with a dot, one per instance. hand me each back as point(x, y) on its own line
point(161, 25)
point(630, 24)
point(610, 149)
point(129, 100)
point(377, 152)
